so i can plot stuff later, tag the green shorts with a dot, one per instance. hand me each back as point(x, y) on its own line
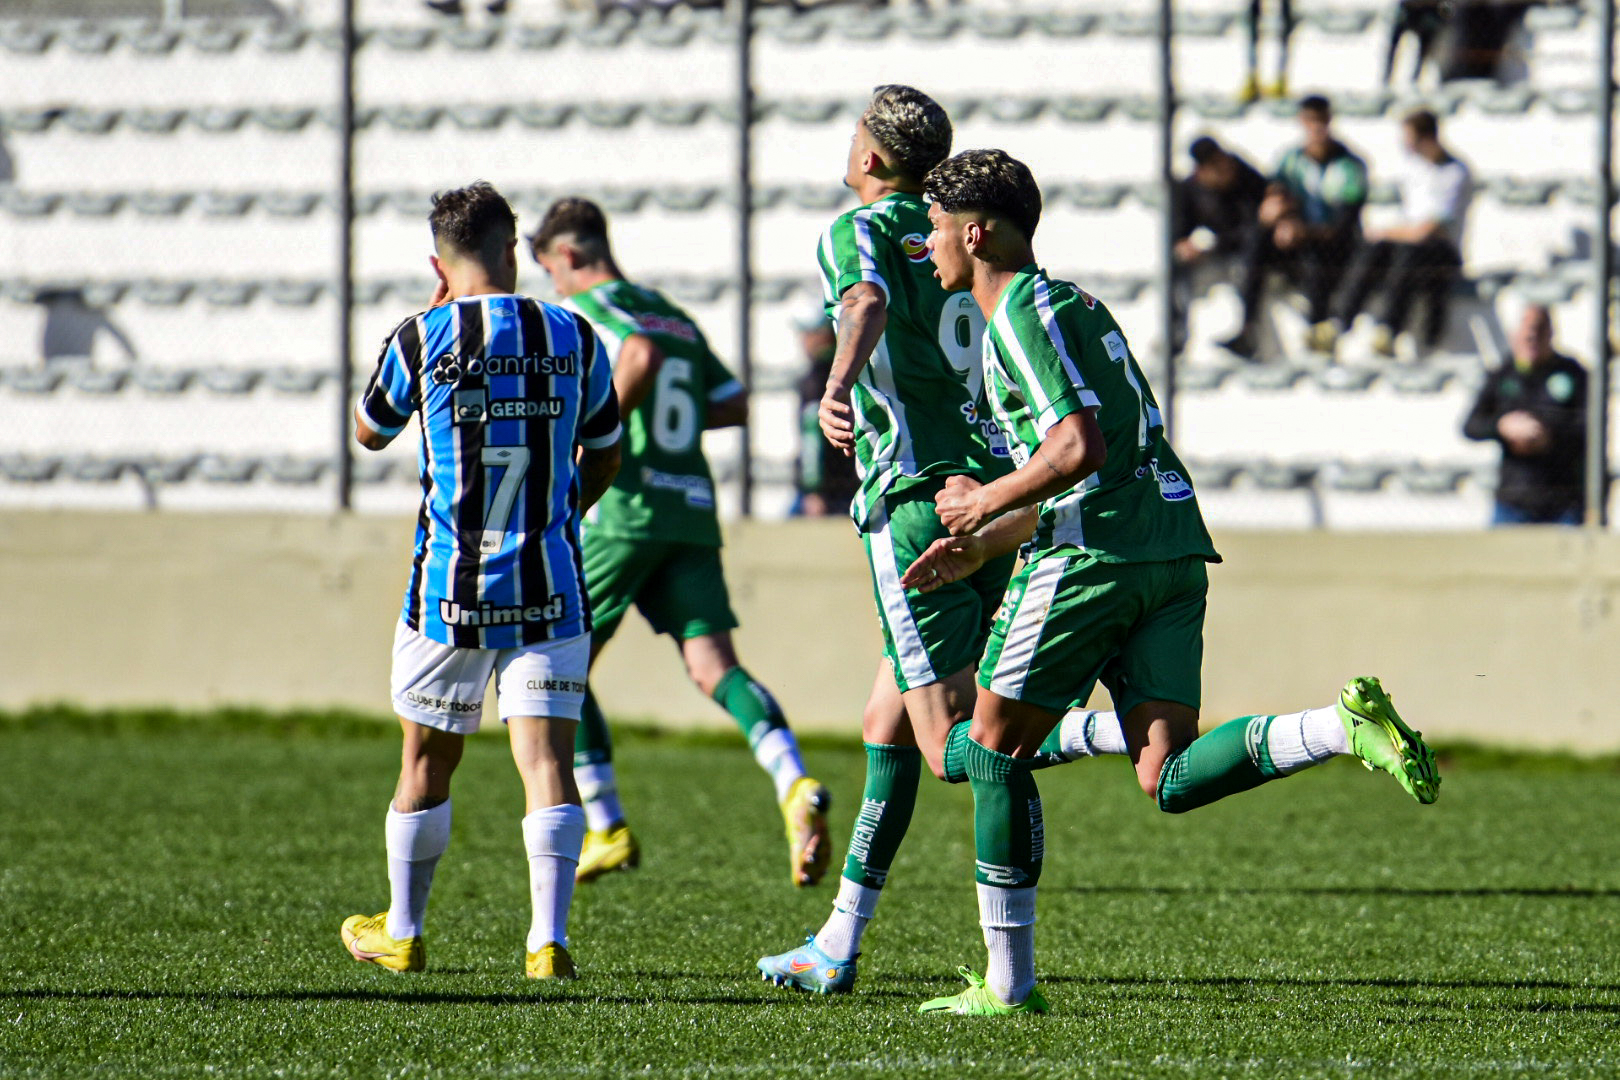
point(927, 636)
point(1070, 620)
point(679, 589)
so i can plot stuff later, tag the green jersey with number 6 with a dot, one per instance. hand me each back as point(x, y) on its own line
point(1052, 349)
point(916, 401)
point(664, 490)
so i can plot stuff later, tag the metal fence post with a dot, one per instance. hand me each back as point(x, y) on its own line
point(345, 283)
point(1597, 417)
point(745, 238)
point(1167, 177)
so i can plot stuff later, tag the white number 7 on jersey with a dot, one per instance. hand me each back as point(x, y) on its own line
point(515, 459)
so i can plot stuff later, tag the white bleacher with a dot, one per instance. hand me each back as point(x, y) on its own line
point(206, 156)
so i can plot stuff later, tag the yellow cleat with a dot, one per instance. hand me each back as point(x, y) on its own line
point(804, 811)
point(1249, 92)
point(1278, 91)
point(607, 850)
point(366, 938)
point(550, 962)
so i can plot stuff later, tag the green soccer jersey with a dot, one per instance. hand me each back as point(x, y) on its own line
point(1051, 350)
point(915, 403)
point(664, 490)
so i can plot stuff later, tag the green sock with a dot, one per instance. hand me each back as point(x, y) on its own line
point(892, 773)
point(750, 705)
point(1009, 833)
point(956, 741)
point(592, 743)
point(1223, 762)
point(1050, 753)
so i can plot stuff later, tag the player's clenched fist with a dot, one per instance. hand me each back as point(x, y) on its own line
point(838, 420)
point(960, 505)
point(949, 559)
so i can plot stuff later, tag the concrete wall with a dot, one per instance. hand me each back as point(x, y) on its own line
point(1504, 637)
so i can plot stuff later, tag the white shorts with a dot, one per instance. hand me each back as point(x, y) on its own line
point(441, 686)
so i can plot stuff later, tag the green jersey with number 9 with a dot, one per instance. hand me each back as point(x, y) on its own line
point(917, 403)
point(664, 490)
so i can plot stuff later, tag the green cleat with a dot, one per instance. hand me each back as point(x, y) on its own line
point(977, 1000)
point(1381, 739)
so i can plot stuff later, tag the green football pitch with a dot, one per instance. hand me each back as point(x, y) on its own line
point(170, 893)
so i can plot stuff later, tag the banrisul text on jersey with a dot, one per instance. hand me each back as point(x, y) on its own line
point(506, 388)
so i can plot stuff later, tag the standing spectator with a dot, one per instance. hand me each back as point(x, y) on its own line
point(826, 479)
point(1535, 407)
point(1252, 89)
point(1310, 223)
point(1422, 256)
point(1214, 216)
point(1424, 20)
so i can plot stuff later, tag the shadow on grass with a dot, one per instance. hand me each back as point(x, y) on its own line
point(1534, 891)
point(1217, 982)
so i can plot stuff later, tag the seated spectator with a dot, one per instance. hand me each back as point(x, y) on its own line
point(1422, 256)
point(1214, 216)
point(826, 479)
point(1535, 407)
point(1310, 223)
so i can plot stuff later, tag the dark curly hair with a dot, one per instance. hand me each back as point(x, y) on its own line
point(474, 220)
point(911, 126)
point(991, 182)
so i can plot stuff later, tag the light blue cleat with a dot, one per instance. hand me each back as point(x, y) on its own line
point(808, 968)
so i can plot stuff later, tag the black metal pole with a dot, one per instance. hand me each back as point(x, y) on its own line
point(1597, 416)
point(345, 293)
point(1167, 178)
point(745, 236)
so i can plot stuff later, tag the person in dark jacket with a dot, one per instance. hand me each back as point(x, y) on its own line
point(1214, 216)
point(1535, 407)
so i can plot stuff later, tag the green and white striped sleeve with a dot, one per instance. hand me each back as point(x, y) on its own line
point(852, 250)
point(1041, 355)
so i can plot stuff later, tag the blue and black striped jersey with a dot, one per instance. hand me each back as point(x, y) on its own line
point(506, 388)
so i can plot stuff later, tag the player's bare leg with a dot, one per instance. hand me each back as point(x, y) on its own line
point(712, 665)
point(609, 844)
point(553, 833)
point(417, 832)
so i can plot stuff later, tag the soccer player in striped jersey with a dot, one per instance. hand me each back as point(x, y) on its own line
point(520, 435)
point(1114, 579)
point(903, 399)
point(654, 541)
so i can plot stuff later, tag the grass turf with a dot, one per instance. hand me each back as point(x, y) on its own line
point(170, 895)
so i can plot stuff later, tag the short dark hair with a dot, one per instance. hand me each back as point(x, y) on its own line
point(1316, 103)
point(992, 182)
point(576, 217)
point(1422, 123)
point(911, 126)
point(1205, 150)
point(473, 220)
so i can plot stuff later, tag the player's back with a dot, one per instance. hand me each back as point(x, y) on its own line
point(664, 489)
point(506, 388)
point(1064, 345)
point(916, 400)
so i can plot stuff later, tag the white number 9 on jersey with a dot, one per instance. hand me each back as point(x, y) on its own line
point(961, 338)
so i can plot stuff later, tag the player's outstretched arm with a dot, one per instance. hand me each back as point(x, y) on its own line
point(636, 370)
point(729, 411)
point(597, 468)
point(1073, 449)
point(862, 317)
point(955, 557)
point(366, 435)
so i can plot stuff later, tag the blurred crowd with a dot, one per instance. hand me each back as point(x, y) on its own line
point(1302, 224)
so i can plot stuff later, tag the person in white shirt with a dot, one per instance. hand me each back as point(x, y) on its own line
point(1422, 256)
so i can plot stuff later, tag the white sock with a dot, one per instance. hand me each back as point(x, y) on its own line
point(853, 908)
point(1090, 732)
point(552, 836)
point(778, 754)
point(1008, 919)
point(1299, 740)
point(599, 790)
point(414, 842)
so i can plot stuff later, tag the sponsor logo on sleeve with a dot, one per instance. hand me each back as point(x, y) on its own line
point(1114, 342)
